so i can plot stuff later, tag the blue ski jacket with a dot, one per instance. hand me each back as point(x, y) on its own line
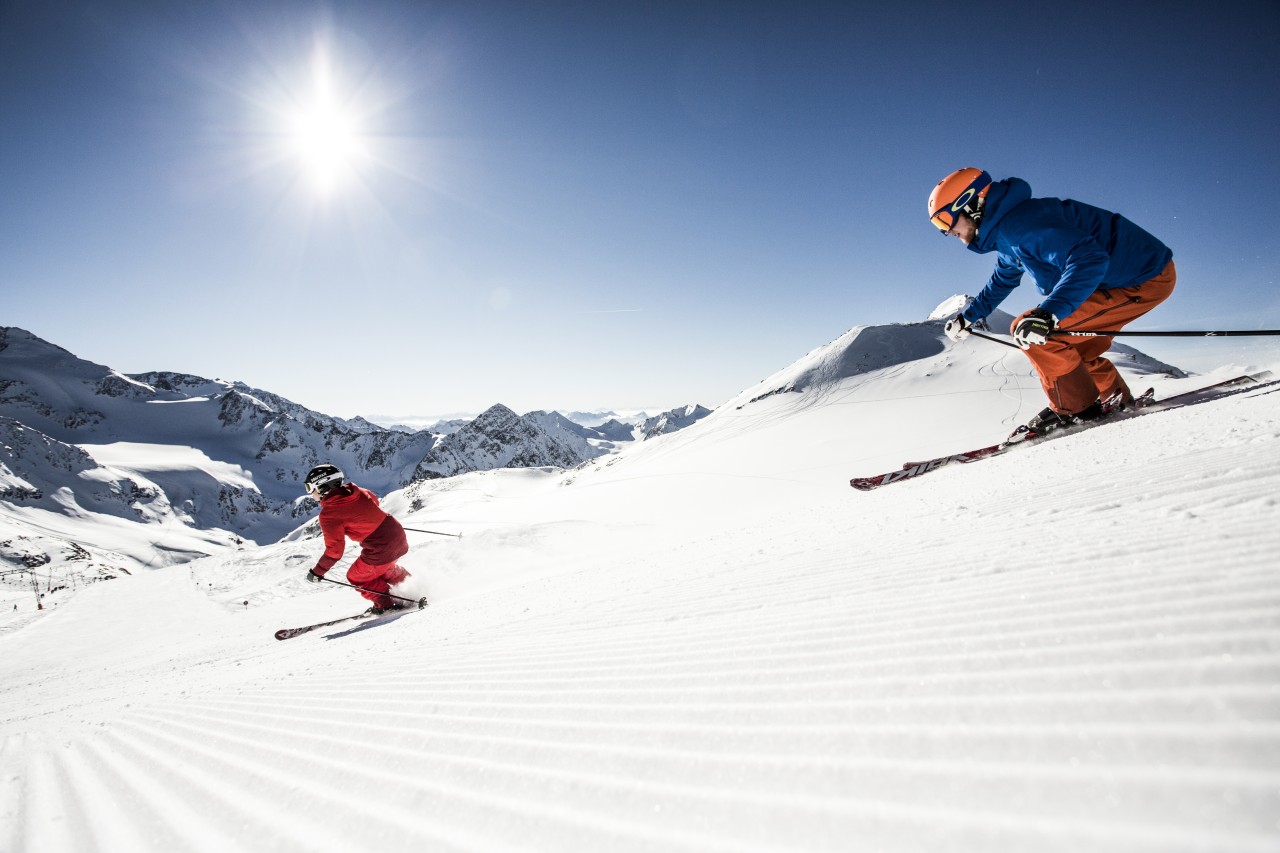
point(1071, 249)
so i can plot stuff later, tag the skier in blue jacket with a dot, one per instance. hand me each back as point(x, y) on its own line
point(1095, 269)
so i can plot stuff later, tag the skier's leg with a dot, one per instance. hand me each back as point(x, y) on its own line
point(1084, 371)
point(395, 573)
point(371, 578)
point(1115, 309)
point(1063, 375)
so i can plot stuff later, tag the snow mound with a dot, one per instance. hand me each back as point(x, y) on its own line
point(950, 307)
point(860, 350)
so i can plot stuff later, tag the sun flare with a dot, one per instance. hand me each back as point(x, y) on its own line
point(328, 144)
point(325, 133)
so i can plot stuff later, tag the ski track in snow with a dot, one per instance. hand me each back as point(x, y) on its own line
point(949, 665)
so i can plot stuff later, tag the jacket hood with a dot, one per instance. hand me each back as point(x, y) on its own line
point(1003, 197)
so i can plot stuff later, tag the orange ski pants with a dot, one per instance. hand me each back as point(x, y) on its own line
point(1073, 371)
point(376, 580)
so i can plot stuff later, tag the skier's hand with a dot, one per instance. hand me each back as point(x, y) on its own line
point(957, 328)
point(316, 576)
point(1034, 328)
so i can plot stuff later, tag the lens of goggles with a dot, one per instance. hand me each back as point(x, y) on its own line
point(943, 220)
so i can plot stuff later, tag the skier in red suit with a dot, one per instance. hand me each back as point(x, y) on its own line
point(348, 511)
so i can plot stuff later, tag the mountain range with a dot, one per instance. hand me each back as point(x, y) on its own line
point(207, 462)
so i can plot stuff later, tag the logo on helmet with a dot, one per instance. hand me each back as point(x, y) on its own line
point(963, 202)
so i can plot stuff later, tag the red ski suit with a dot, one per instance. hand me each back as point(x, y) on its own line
point(352, 512)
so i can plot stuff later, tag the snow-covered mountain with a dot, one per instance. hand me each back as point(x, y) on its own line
point(708, 641)
point(35, 470)
point(671, 421)
point(499, 438)
point(172, 451)
point(448, 426)
point(81, 521)
point(866, 349)
point(245, 449)
point(604, 431)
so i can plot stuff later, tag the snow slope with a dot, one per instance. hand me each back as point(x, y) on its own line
point(710, 642)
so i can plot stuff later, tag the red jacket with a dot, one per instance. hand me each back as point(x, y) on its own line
point(352, 512)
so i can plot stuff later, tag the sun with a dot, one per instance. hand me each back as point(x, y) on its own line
point(325, 134)
point(327, 142)
point(325, 127)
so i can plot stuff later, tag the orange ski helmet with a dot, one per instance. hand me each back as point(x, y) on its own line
point(957, 193)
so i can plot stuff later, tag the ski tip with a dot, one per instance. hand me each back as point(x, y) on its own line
point(282, 634)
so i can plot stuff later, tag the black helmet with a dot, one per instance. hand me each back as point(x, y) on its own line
point(323, 478)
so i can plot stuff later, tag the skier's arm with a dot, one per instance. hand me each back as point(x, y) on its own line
point(1083, 264)
point(1007, 276)
point(335, 543)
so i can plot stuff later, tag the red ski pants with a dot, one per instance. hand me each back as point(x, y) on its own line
point(376, 580)
point(1073, 371)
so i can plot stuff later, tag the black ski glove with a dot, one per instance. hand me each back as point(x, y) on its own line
point(316, 577)
point(1034, 328)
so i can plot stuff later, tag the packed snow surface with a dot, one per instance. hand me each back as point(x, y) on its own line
point(709, 642)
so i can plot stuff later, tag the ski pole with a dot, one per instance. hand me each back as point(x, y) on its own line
point(1221, 333)
point(374, 591)
point(436, 532)
point(993, 340)
point(1231, 333)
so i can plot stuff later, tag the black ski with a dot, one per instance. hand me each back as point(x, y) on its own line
point(286, 633)
point(1218, 390)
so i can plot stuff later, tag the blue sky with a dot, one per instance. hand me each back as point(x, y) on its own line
point(588, 204)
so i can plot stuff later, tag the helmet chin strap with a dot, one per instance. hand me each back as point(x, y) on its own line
point(975, 212)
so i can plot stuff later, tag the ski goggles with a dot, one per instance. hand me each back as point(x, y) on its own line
point(945, 219)
point(319, 488)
